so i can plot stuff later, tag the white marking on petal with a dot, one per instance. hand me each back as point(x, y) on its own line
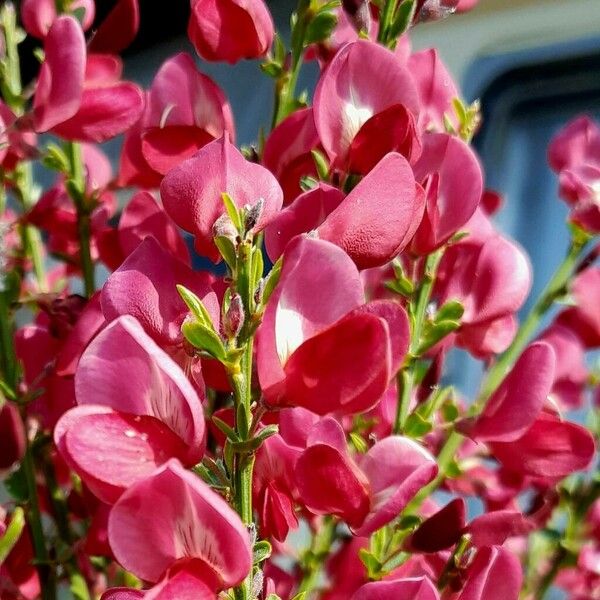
point(288, 331)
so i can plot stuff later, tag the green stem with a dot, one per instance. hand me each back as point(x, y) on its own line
point(77, 192)
point(9, 358)
point(285, 87)
point(34, 520)
point(242, 385)
point(406, 378)
point(387, 15)
point(316, 555)
point(30, 235)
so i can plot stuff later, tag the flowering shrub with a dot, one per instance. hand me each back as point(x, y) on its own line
point(164, 433)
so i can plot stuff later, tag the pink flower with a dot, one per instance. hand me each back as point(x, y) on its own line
point(142, 217)
point(192, 192)
point(495, 574)
point(491, 278)
point(349, 94)
point(519, 399)
point(38, 16)
point(136, 410)
point(274, 488)
point(574, 154)
point(230, 30)
point(144, 286)
point(372, 224)
point(451, 175)
point(108, 106)
point(522, 437)
point(185, 111)
point(15, 144)
point(287, 152)
point(416, 588)
point(319, 346)
point(571, 374)
point(366, 494)
point(436, 88)
point(81, 98)
point(190, 530)
point(60, 82)
point(584, 318)
point(118, 29)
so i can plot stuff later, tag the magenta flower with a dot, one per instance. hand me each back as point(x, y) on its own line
point(230, 30)
point(491, 277)
point(372, 224)
point(584, 318)
point(141, 411)
point(523, 437)
point(118, 29)
point(320, 346)
point(415, 588)
point(287, 152)
point(575, 155)
point(451, 175)
point(142, 217)
point(192, 192)
point(61, 79)
point(349, 94)
point(144, 286)
point(436, 88)
point(367, 493)
point(38, 16)
point(197, 540)
point(185, 111)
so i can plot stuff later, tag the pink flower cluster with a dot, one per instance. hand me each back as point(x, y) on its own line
point(170, 430)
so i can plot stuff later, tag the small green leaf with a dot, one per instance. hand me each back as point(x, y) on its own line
point(12, 534)
point(16, 485)
point(452, 310)
point(321, 164)
point(261, 551)
point(449, 411)
point(228, 431)
point(300, 596)
point(372, 565)
point(320, 28)
point(258, 266)
point(56, 159)
point(404, 16)
point(271, 68)
point(232, 211)
point(78, 587)
point(435, 333)
point(308, 183)
point(196, 306)
point(203, 338)
point(226, 249)
point(416, 426)
point(403, 288)
point(272, 280)
point(358, 442)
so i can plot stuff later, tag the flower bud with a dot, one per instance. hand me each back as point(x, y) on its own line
point(253, 214)
point(234, 318)
point(434, 10)
point(223, 227)
point(359, 13)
